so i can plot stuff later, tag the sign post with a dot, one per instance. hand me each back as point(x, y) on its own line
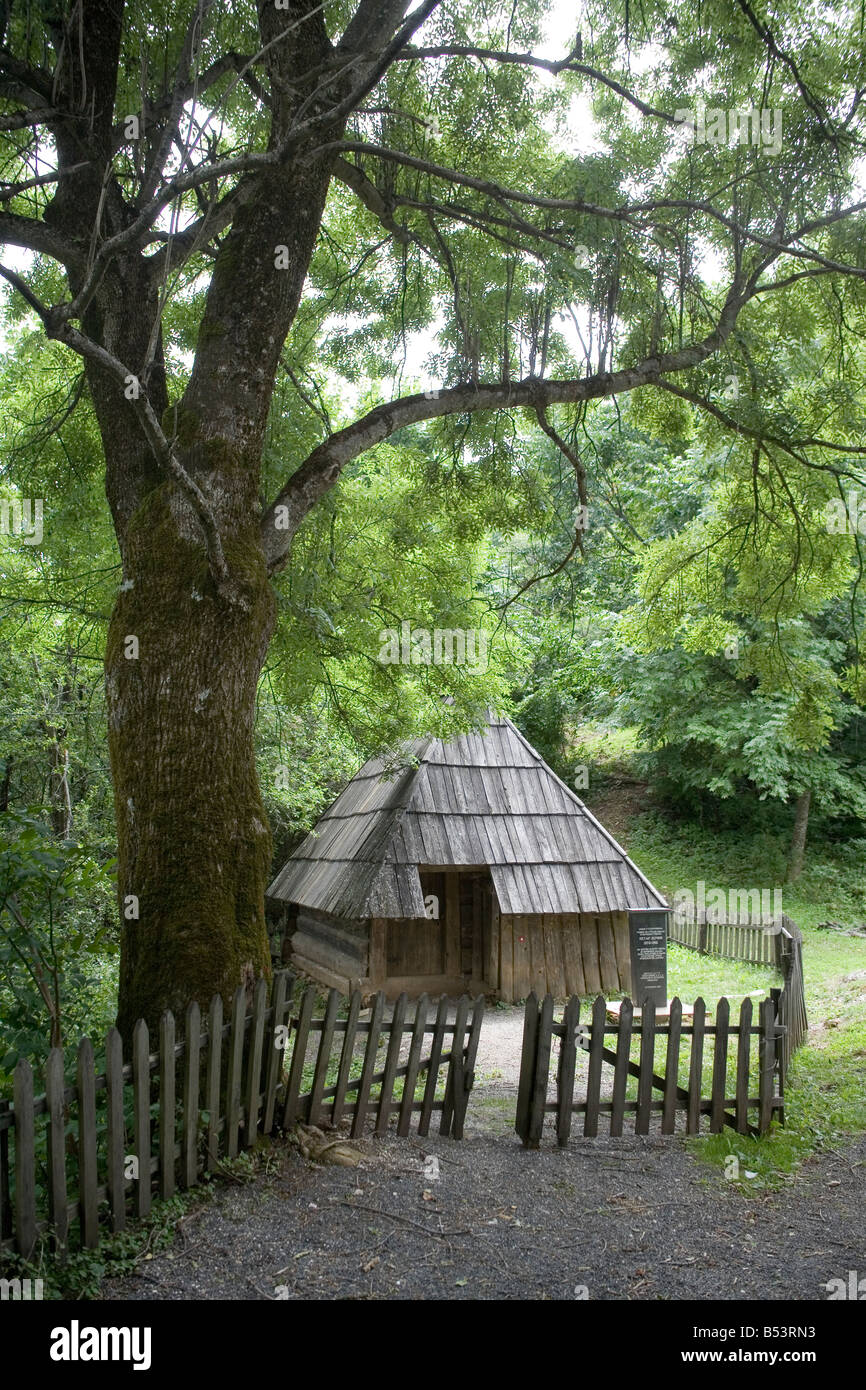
point(648, 935)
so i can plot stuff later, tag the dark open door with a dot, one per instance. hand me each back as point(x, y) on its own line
point(455, 942)
point(476, 908)
point(417, 948)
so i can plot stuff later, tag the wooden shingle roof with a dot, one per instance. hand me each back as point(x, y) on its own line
point(475, 800)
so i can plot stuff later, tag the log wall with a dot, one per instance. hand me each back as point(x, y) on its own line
point(332, 950)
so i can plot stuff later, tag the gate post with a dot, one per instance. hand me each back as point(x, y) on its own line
point(454, 1081)
point(767, 1055)
point(527, 1067)
point(538, 1096)
point(460, 1095)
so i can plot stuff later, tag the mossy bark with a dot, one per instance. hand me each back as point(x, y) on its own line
point(193, 837)
point(195, 613)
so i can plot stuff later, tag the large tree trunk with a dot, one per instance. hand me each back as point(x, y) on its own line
point(195, 614)
point(182, 666)
point(798, 839)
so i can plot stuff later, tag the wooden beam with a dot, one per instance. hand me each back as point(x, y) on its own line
point(378, 968)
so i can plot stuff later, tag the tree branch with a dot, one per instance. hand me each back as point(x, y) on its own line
point(36, 236)
point(790, 447)
point(370, 196)
point(181, 93)
point(34, 80)
point(323, 466)
point(568, 64)
point(58, 329)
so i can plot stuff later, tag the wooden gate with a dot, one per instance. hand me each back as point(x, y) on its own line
point(403, 1086)
point(659, 1066)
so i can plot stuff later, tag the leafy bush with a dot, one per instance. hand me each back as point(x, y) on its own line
point(57, 940)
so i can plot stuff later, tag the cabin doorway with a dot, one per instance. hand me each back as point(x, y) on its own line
point(467, 905)
point(454, 949)
point(475, 896)
point(418, 948)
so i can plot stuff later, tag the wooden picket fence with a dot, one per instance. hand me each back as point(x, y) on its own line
point(755, 941)
point(603, 1088)
point(746, 1084)
point(778, 943)
point(95, 1152)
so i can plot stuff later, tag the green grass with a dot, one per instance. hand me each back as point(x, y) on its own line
point(608, 745)
point(832, 886)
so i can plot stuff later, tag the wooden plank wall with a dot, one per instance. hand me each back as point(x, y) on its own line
point(415, 946)
point(548, 953)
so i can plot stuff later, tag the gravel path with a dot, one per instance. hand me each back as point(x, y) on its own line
point(483, 1219)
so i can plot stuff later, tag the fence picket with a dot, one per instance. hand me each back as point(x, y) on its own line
point(191, 1088)
point(693, 1117)
point(274, 1050)
point(214, 1080)
point(593, 1075)
point(25, 1157)
point(433, 1067)
point(672, 1067)
point(167, 1104)
point(461, 1097)
point(254, 1064)
point(527, 1065)
point(58, 1206)
point(326, 1039)
point(116, 1129)
point(347, 1056)
point(567, 1065)
point(6, 1222)
point(620, 1073)
point(542, 1072)
point(141, 1114)
point(647, 1058)
point(412, 1062)
point(369, 1065)
point(233, 1073)
point(720, 1068)
point(454, 1080)
point(88, 1207)
point(299, 1055)
point(741, 1104)
point(767, 1056)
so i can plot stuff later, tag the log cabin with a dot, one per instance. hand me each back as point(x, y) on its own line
point(468, 867)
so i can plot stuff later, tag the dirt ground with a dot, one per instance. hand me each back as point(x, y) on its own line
point(630, 1218)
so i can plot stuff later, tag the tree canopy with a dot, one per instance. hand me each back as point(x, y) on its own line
point(362, 314)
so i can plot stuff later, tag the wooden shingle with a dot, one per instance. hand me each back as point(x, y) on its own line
point(477, 799)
